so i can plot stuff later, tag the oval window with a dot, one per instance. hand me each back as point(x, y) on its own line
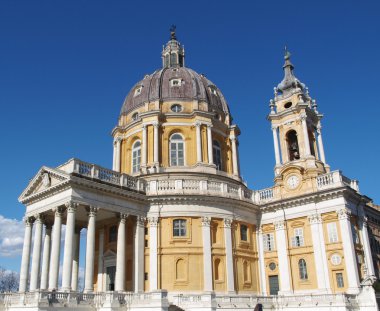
point(288, 105)
point(176, 108)
point(135, 116)
point(272, 266)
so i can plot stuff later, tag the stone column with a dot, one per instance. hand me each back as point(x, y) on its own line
point(320, 144)
point(120, 255)
point(207, 261)
point(75, 269)
point(100, 260)
point(55, 250)
point(90, 251)
point(46, 258)
point(235, 164)
point(25, 260)
point(263, 279)
point(366, 246)
point(229, 256)
point(276, 149)
point(36, 256)
point(144, 146)
point(68, 249)
point(320, 257)
point(305, 135)
point(117, 157)
point(156, 142)
point(139, 254)
point(153, 260)
point(209, 144)
point(199, 141)
point(344, 216)
point(282, 253)
point(114, 156)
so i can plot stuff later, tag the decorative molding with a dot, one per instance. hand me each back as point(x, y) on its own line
point(343, 213)
point(279, 225)
point(140, 221)
point(206, 221)
point(92, 211)
point(123, 217)
point(153, 221)
point(227, 223)
point(315, 219)
point(71, 206)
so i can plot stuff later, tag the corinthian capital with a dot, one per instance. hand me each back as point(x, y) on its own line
point(343, 213)
point(315, 218)
point(71, 206)
point(227, 222)
point(279, 225)
point(206, 221)
point(153, 221)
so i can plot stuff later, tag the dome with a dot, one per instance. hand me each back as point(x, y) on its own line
point(189, 86)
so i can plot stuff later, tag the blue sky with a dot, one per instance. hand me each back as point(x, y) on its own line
point(66, 66)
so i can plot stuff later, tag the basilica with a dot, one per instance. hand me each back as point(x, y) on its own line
point(172, 226)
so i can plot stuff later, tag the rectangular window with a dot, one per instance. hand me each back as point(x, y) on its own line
point(146, 276)
point(268, 240)
point(339, 280)
point(243, 233)
point(297, 239)
point(355, 236)
point(332, 232)
point(179, 227)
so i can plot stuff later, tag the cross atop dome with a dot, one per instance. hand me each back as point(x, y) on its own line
point(173, 54)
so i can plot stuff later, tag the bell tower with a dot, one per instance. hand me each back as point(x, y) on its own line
point(296, 126)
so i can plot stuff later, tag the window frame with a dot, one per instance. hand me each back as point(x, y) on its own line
point(269, 242)
point(339, 279)
point(217, 154)
point(136, 154)
point(246, 233)
point(112, 236)
point(302, 270)
point(298, 239)
point(182, 228)
point(177, 142)
point(332, 232)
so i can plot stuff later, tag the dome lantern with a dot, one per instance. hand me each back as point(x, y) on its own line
point(173, 54)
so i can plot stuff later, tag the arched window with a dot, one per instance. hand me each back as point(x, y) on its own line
point(246, 272)
point(136, 156)
point(179, 227)
point(311, 142)
point(302, 269)
point(217, 154)
point(173, 59)
point(112, 234)
point(294, 153)
point(217, 270)
point(180, 269)
point(177, 147)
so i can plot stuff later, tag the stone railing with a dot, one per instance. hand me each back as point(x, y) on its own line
point(98, 173)
point(198, 187)
point(335, 179)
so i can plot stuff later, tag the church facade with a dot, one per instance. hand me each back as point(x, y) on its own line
point(172, 226)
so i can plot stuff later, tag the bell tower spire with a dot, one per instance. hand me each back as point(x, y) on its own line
point(173, 53)
point(296, 127)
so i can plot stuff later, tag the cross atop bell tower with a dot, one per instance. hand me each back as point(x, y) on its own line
point(296, 126)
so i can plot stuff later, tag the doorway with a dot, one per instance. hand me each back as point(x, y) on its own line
point(110, 280)
point(273, 285)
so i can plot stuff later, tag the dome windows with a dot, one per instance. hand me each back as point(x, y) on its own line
point(175, 82)
point(213, 90)
point(135, 116)
point(137, 91)
point(176, 108)
point(288, 105)
point(177, 150)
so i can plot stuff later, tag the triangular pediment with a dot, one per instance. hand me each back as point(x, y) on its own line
point(46, 178)
point(109, 254)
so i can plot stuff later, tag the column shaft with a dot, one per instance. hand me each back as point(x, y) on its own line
point(120, 255)
point(305, 135)
point(153, 260)
point(100, 260)
point(55, 250)
point(366, 246)
point(209, 145)
point(36, 257)
point(144, 146)
point(235, 164)
point(349, 251)
point(68, 249)
point(139, 255)
point(25, 260)
point(207, 261)
point(156, 141)
point(114, 157)
point(75, 269)
point(90, 251)
point(199, 142)
point(263, 279)
point(320, 145)
point(320, 258)
point(276, 149)
point(283, 260)
point(117, 158)
point(46, 258)
point(229, 256)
